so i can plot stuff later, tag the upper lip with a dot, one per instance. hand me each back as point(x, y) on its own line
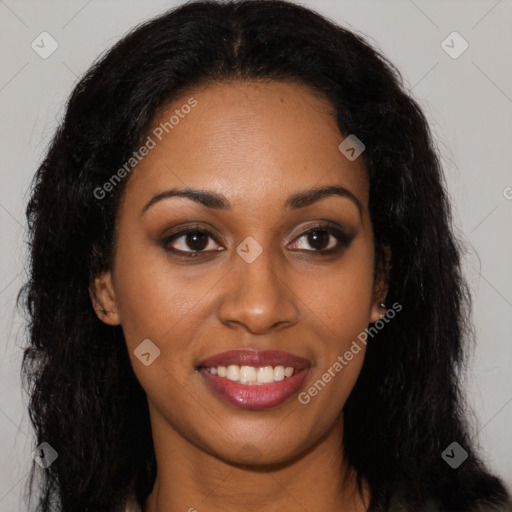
point(256, 359)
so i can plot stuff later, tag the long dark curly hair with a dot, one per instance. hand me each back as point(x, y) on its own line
point(85, 401)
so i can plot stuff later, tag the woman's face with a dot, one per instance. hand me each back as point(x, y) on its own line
point(252, 279)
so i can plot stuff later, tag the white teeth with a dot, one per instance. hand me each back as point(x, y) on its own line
point(278, 373)
point(251, 375)
point(233, 372)
point(247, 374)
point(265, 374)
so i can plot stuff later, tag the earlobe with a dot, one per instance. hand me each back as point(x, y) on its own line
point(378, 312)
point(101, 291)
point(380, 290)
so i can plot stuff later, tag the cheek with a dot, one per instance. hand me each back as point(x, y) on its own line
point(340, 304)
point(341, 296)
point(152, 294)
point(167, 304)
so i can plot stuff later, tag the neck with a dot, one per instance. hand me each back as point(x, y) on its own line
point(190, 479)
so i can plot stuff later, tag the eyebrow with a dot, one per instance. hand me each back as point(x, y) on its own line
point(218, 201)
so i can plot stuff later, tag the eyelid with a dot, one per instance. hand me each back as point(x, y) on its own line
point(322, 224)
point(184, 228)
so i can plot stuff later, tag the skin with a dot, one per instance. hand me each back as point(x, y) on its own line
point(256, 144)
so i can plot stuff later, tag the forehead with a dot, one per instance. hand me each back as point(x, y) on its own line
point(250, 141)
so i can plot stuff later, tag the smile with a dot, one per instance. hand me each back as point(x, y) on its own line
point(254, 380)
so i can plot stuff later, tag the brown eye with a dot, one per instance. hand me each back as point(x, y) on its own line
point(319, 239)
point(322, 239)
point(196, 241)
point(191, 241)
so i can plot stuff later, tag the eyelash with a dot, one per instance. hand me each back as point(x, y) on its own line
point(343, 240)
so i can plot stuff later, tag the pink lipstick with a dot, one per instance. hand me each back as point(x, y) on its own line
point(254, 380)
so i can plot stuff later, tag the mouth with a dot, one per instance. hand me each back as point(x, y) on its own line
point(254, 380)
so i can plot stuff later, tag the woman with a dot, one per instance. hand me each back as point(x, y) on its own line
point(193, 345)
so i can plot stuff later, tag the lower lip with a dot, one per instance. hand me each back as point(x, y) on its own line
point(255, 397)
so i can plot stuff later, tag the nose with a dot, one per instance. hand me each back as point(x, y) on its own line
point(258, 296)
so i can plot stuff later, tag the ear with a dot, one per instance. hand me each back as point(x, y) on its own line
point(380, 287)
point(103, 298)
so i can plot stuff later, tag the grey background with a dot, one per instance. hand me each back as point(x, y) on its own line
point(468, 101)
